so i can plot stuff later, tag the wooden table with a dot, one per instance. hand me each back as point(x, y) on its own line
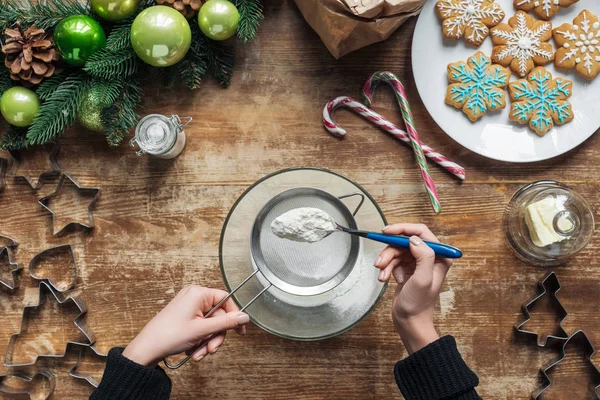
point(158, 225)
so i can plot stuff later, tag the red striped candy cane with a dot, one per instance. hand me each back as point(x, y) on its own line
point(373, 117)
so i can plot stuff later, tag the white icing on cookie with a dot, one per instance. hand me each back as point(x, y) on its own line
point(458, 14)
point(582, 42)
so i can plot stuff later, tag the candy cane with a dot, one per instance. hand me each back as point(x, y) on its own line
point(372, 116)
point(391, 79)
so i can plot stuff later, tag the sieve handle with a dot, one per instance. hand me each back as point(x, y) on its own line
point(211, 312)
point(441, 250)
point(362, 201)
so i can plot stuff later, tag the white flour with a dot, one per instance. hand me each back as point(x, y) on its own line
point(304, 225)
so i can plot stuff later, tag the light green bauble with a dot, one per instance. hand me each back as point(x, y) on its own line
point(77, 37)
point(218, 19)
point(115, 10)
point(161, 36)
point(19, 106)
point(90, 112)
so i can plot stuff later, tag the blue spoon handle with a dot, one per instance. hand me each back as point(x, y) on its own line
point(441, 250)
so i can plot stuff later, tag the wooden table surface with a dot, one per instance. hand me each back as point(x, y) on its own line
point(158, 225)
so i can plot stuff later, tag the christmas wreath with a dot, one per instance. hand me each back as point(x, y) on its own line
point(67, 61)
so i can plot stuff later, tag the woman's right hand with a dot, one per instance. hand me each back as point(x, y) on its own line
point(420, 275)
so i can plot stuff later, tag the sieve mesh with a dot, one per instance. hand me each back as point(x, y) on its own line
point(304, 268)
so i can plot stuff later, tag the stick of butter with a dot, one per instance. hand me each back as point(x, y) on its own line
point(539, 217)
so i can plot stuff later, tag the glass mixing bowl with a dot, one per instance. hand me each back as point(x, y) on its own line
point(574, 221)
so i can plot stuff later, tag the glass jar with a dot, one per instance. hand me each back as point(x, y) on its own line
point(160, 136)
point(571, 229)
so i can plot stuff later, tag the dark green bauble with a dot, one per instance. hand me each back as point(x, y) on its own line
point(77, 37)
point(218, 19)
point(115, 10)
point(90, 112)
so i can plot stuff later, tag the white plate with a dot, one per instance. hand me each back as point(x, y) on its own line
point(494, 135)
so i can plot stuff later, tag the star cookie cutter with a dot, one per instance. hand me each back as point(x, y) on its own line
point(3, 163)
point(33, 264)
point(589, 353)
point(16, 162)
point(550, 285)
point(5, 254)
point(89, 335)
point(45, 200)
point(12, 243)
point(78, 375)
point(30, 385)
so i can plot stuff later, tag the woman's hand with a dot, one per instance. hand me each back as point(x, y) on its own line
point(181, 326)
point(420, 275)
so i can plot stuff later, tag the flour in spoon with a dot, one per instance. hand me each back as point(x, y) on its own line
point(304, 225)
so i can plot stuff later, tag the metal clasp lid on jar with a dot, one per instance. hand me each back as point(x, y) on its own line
point(156, 134)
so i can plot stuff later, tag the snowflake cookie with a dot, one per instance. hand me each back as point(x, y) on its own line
point(470, 19)
point(541, 101)
point(522, 44)
point(545, 9)
point(477, 86)
point(579, 45)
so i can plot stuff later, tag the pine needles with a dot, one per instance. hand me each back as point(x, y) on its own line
point(44, 15)
point(250, 17)
point(121, 117)
point(14, 138)
point(106, 64)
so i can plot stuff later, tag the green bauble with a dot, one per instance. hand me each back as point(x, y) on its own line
point(218, 19)
point(90, 112)
point(19, 106)
point(115, 10)
point(77, 37)
point(161, 36)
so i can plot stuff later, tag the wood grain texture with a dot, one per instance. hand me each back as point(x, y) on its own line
point(158, 225)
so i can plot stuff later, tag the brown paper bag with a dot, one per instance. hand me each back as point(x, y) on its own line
point(348, 25)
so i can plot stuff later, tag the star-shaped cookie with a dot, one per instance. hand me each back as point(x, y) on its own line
point(470, 19)
point(522, 43)
point(579, 45)
point(544, 9)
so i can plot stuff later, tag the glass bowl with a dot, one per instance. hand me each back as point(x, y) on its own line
point(573, 222)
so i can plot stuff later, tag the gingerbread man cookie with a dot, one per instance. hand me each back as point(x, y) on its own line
point(541, 101)
point(477, 86)
point(470, 19)
point(522, 44)
point(579, 45)
point(545, 9)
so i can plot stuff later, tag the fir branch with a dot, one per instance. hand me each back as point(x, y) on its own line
point(109, 65)
point(48, 86)
point(120, 36)
point(44, 14)
point(121, 117)
point(191, 72)
point(106, 92)
point(168, 75)
point(217, 57)
point(13, 139)
point(59, 110)
point(5, 81)
point(251, 14)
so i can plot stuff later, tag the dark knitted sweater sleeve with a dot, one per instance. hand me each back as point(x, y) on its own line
point(126, 380)
point(436, 372)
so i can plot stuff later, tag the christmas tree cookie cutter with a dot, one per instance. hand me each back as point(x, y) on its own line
point(550, 285)
point(74, 372)
point(81, 326)
point(44, 202)
point(589, 353)
point(14, 268)
point(35, 261)
point(29, 384)
point(35, 185)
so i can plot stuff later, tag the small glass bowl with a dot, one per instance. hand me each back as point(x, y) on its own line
point(575, 209)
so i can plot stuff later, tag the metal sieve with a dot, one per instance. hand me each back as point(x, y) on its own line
point(304, 269)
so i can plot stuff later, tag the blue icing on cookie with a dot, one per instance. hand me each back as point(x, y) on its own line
point(540, 99)
point(478, 84)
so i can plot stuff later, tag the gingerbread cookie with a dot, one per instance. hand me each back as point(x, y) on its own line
point(522, 44)
point(477, 86)
point(541, 101)
point(470, 19)
point(545, 9)
point(579, 45)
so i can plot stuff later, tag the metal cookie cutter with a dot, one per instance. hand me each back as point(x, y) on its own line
point(31, 385)
point(45, 200)
point(550, 285)
point(16, 162)
point(589, 352)
point(5, 254)
point(33, 264)
point(89, 335)
point(74, 371)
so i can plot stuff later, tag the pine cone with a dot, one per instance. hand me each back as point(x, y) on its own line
point(30, 55)
point(188, 8)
